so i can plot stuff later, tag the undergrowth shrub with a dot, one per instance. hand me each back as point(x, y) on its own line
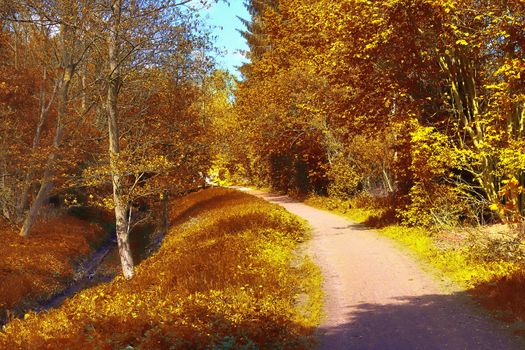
point(35, 268)
point(467, 262)
point(226, 277)
point(504, 294)
point(344, 177)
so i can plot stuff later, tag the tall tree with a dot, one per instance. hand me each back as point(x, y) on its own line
point(114, 81)
point(438, 79)
point(140, 38)
point(66, 15)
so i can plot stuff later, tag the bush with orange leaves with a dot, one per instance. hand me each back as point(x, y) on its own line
point(228, 276)
point(37, 267)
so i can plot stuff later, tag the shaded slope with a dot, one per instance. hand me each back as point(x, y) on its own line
point(226, 276)
point(377, 297)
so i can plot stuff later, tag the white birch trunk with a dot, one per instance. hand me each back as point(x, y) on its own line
point(121, 220)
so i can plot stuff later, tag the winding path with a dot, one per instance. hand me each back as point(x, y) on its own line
point(378, 297)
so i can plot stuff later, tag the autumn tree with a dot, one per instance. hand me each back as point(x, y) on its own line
point(70, 50)
point(438, 81)
point(141, 41)
point(117, 108)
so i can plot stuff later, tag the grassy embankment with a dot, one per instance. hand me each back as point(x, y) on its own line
point(227, 276)
point(35, 268)
point(467, 257)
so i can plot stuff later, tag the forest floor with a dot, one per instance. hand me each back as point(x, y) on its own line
point(230, 274)
point(36, 270)
point(379, 297)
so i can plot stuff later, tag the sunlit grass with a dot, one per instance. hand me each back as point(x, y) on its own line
point(463, 264)
point(228, 276)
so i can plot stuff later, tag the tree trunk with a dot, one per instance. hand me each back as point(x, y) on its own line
point(66, 41)
point(121, 220)
point(165, 212)
point(386, 181)
point(46, 184)
point(23, 200)
point(4, 192)
point(465, 103)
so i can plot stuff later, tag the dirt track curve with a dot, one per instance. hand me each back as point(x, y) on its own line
point(378, 297)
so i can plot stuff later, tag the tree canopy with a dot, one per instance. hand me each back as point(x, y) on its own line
point(418, 99)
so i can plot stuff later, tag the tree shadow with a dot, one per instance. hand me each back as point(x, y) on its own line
point(278, 198)
point(353, 226)
point(385, 218)
point(424, 322)
point(195, 209)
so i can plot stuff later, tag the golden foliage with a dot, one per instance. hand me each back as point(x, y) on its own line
point(227, 277)
point(37, 268)
point(441, 82)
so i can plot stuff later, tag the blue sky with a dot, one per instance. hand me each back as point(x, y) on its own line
point(224, 19)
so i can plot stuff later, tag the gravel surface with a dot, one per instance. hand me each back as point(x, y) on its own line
point(379, 297)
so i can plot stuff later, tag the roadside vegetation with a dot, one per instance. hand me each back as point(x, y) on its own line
point(408, 116)
point(31, 271)
point(487, 261)
point(229, 275)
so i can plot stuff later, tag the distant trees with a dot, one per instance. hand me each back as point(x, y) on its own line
point(421, 98)
point(100, 101)
point(70, 50)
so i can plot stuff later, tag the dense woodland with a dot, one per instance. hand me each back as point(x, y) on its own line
point(102, 104)
point(117, 104)
point(418, 101)
point(111, 110)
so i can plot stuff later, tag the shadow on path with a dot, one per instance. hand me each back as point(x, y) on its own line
point(278, 198)
point(425, 322)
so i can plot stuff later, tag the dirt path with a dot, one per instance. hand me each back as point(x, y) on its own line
point(377, 297)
